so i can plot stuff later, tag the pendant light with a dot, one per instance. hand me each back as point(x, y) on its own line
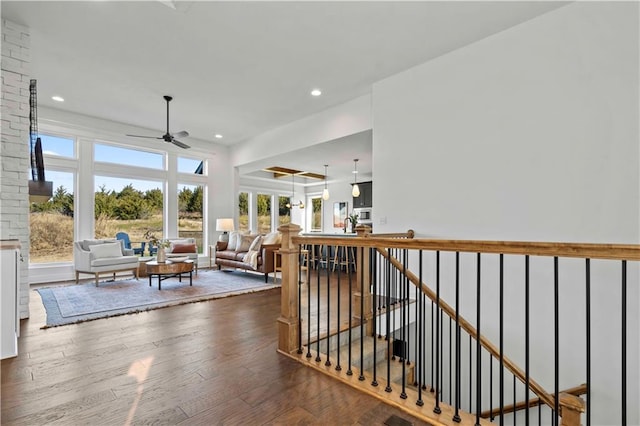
point(290, 204)
point(325, 192)
point(355, 191)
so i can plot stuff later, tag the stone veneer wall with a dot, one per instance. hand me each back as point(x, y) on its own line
point(14, 149)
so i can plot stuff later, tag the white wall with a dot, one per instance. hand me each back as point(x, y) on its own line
point(530, 134)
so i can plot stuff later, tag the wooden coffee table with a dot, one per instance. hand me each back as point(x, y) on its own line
point(169, 269)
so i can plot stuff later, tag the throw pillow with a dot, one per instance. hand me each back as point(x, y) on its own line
point(272, 238)
point(183, 248)
point(99, 251)
point(244, 242)
point(233, 240)
point(257, 242)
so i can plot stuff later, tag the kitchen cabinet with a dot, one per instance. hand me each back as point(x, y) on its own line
point(366, 195)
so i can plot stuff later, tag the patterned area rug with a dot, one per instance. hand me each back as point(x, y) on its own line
point(83, 302)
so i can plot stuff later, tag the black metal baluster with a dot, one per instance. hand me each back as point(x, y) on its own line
point(362, 333)
point(328, 361)
point(339, 296)
point(437, 409)
point(624, 343)
point(388, 319)
point(375, 315)
point(588, 341)
point(299, 303)
point(501, 372)
point(432, 340)
point(491, 417)
point(309, 318)
point(456, 414)
point(318, 314)
point(526, 338)
point(478, 353)
point(470, 374)
point(405, 333)
point(515, 417)
point(450, 360)
point(420, 330)
point(349, 277)
point(556, 339)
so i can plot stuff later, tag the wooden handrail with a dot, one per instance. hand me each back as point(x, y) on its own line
point(465, 325)
point(574, 250)
point(409, 234)
point(533, 402)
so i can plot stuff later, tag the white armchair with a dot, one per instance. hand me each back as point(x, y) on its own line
point(184, 247)
point(103, 256)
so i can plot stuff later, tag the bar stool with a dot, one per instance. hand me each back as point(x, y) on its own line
point(277, 266)
point(304, 263)
point(344, 256)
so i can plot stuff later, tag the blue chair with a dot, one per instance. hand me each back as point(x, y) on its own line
point(127, 243)
point(153, 250)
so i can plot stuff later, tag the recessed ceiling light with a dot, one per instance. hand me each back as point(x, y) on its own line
point(316, 92)
point(58, 98)
point(218, 136)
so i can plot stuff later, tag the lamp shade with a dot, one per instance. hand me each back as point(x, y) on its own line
point(224, 224)
point(355, 191)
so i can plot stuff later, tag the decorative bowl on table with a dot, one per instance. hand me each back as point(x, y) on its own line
point(178, 259)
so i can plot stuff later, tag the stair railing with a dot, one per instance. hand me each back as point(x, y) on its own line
point(383, 274)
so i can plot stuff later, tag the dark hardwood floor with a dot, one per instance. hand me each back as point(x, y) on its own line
point(197, 364)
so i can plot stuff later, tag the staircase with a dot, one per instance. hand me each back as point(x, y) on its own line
point(472, 347)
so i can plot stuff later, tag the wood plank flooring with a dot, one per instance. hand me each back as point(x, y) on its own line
point(204, 363)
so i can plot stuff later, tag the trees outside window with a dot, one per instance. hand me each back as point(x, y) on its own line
point(264, 213)
point(51, 223)
point(190, 213)
point(243, 212)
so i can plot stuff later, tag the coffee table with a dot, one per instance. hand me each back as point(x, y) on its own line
point(169, 269)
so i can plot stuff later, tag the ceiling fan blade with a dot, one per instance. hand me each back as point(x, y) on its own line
point(180, 144)
point(148, 137)
point(182, 134)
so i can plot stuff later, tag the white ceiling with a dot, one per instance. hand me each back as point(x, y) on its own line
point(239, 68)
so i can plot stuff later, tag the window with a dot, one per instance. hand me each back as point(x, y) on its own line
point(190, 166)
point(58, 146)
point(190, 213)
point(243, 212)
point(284, 213)
point(51, 223)
point(129, 157)
point(264, 213)
point(128, 205)
point(316, 213)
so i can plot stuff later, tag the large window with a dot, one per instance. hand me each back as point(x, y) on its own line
point(316, 214)
point(58, 146)
point(264, 213)
point(128, 205)
point(190, 213)
point(129, 157)
point(243, 212)
point(51, 223)
point(284, 212)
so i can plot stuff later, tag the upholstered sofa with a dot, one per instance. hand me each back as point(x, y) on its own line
point(184, 247)
point(98, 257)
point(248, 252)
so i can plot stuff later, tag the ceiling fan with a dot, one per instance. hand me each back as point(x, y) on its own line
point(168, 137)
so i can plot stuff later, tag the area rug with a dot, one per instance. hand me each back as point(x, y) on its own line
point(83, 302)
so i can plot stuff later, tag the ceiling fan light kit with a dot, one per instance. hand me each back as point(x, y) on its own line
point(169, 137)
